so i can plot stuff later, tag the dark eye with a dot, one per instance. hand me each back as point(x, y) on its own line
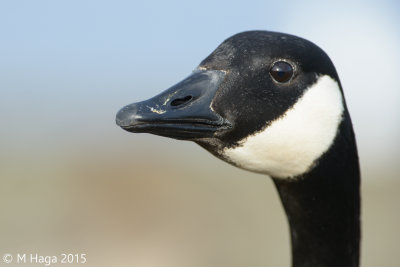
point(281, 71)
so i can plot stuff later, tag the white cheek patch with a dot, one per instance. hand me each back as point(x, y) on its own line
point(291, 144)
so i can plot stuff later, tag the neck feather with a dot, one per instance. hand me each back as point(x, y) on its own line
point(323, 207)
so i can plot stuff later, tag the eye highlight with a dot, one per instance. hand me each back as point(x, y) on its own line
point(281, 71)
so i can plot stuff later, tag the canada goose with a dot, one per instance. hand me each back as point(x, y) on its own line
point(272, 103)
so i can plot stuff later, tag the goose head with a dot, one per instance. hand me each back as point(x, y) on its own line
point(267, 102)
point(272, 103)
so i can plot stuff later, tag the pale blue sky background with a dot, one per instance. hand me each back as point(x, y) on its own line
point(66, 67)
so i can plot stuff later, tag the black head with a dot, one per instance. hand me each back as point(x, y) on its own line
point(251, 96)
point(251, 80)
point(272, 103)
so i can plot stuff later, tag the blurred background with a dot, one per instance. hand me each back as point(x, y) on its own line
point(71, 181)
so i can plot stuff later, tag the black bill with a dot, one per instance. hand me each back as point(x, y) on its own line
point(181, 112)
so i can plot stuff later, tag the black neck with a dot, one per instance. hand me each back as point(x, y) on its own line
point(323, 207)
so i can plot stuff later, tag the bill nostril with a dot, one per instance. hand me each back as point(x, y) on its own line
point(181, 101)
